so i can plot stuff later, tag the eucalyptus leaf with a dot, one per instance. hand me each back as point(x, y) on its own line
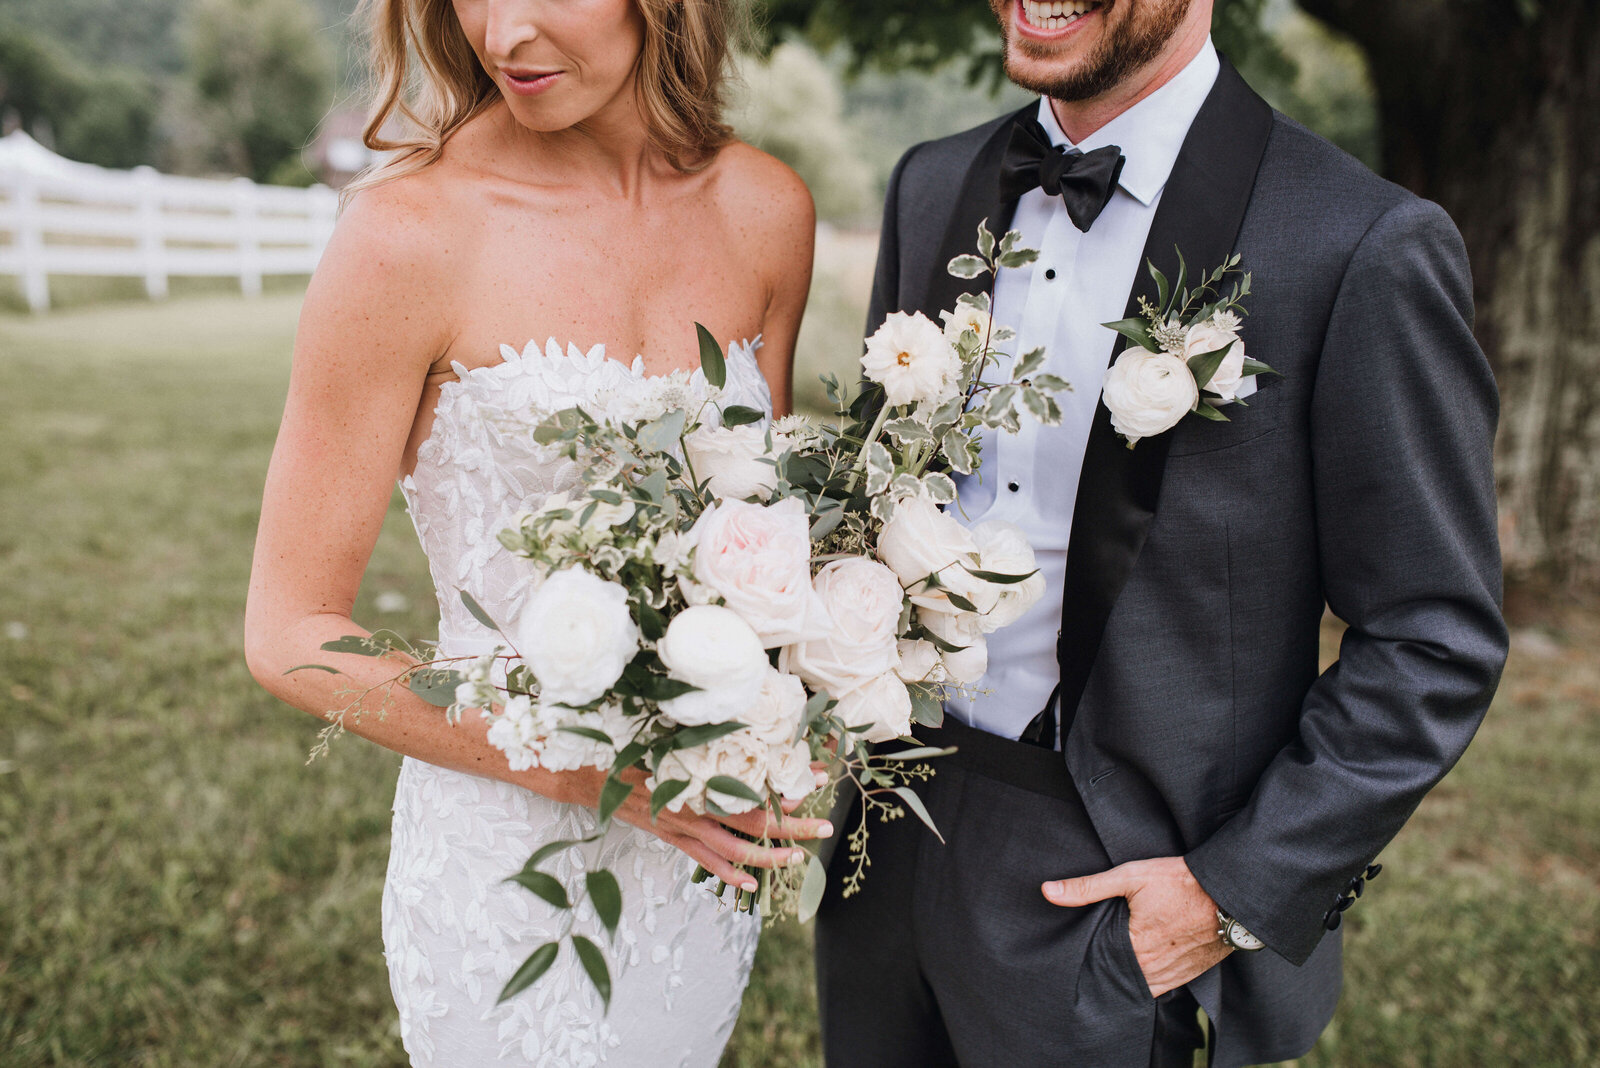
point(437, 686)
point(960, 601)
point(594, 965)
point(712, 362)
point(357, 645)
point(923, 752)
point(313, 667)
point(996, 577)
point(607, 898)
point(661, 435)
point(914, 803)
point(654, 486)
point(812, 888)
point(544, 885)
point(629, 755)
point(532, 969)
point(731, 787)
point(478, 612)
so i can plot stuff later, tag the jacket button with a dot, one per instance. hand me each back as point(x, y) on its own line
point(1374, 870)
point(1332, 920)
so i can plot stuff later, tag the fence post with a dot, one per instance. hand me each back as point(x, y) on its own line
point(244, 207)
point(30, 244)
point(152, 239)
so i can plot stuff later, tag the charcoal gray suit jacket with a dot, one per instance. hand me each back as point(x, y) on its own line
point(1200, 562)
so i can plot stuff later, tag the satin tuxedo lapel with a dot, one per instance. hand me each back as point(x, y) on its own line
point(978, 201)
point(1202, 209)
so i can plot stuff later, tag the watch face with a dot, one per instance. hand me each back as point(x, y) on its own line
point(1240, 938)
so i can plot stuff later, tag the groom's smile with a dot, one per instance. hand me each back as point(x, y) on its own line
point(1050, 21)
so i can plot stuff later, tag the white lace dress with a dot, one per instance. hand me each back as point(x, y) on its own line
point(453, 930)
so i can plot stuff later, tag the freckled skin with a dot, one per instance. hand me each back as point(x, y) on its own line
point(548, 216)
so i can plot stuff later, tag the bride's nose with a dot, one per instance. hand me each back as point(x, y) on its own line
point(508, 25)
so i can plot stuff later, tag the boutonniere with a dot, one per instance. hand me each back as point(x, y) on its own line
point(1186, 355)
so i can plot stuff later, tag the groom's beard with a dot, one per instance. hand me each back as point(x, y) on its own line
point(1137, 39)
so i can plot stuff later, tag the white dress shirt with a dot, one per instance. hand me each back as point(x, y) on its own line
point(1079, 281)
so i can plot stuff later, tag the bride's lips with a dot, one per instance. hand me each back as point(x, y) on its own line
point(1054, 20)
point(529, 82)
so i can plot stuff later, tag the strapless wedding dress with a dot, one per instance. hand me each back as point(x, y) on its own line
point(453, 930)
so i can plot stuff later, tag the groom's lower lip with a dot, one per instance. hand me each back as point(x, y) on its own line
point(1055, 21)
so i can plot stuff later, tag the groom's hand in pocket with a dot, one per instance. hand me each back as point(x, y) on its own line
point(1172, 921)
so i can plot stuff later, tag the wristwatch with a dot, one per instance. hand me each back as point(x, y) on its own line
point(1235, 936)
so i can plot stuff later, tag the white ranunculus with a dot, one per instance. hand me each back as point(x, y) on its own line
point(919, 540)
point(561, 750)
point(1210, 336)
point(740, 755)
point(731, 458)
point(711, 647)
point(963, 319)
point(1003, 549)
point(919, 661)
point(775, 715)
point(965, 630)
point(912, 359)
point(576, 635)
point(789, 771)
point(758, 558)
point(1148, 393)
point(863, 599)
point(882, 705)
point(515, 732)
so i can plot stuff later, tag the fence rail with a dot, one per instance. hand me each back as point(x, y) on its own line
point(58, 217)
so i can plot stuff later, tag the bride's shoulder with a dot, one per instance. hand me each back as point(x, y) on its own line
point(762, 194)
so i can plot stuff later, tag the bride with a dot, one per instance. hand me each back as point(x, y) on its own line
point(568, 178)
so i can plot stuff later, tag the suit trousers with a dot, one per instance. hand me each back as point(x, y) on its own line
point(950, 955)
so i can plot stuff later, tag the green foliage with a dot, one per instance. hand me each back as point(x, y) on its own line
point(102, 114)
point(262, 77)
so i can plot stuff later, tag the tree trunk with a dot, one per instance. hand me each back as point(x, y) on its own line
point(1493, 111)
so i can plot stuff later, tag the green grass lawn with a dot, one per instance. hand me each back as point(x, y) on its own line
point(177, 889)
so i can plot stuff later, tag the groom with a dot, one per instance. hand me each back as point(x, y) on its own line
point(1189, 816)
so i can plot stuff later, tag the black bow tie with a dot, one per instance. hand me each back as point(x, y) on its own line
point(1083, 180)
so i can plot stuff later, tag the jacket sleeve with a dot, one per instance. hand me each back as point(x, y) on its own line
point(886, 278)
point(1402, 431)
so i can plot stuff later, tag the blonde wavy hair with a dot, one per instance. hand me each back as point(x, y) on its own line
point(427, 75)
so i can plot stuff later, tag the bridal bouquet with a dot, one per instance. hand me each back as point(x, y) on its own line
point(724, 603)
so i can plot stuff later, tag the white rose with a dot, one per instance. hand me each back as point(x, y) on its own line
point(918, 541)
point(912, 359)
point(711, 647)
point(919, 661)
point(740, 755)
point(1210, 336)
point(882, 705)
point(789, 771)
point(1003, 549)
point(775, 715)
point(1148, 393)
point(758, 557)
point(730, 457)
point(963, 319)
point(576, 635)
point(964, 630)
point(863, 599)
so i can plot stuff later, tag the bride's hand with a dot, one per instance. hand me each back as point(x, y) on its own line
point(707, 839)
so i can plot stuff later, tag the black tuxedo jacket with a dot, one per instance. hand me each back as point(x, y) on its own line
point(1200, 562)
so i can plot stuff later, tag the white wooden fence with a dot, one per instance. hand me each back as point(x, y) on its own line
point(66, 218)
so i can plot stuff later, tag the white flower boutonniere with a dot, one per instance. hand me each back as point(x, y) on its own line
point(1186, 355)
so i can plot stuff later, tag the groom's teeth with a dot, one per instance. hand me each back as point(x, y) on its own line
point(1058, 14)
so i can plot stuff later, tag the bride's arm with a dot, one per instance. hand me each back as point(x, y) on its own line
point(373, 323)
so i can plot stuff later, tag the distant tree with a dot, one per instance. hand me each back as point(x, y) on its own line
point(1492, 109)
point(262, 75)
point(101, 114)
point(790, 105)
